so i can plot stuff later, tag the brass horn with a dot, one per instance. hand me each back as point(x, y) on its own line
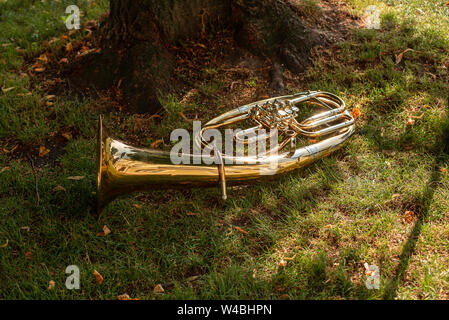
point(123, 169)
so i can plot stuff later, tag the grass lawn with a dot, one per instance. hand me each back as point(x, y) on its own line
point(383, 199)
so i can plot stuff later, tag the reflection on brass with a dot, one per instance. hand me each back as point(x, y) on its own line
point(123, 169)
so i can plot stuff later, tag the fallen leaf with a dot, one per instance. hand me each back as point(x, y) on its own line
point(192, 278)
point(43, 57)
point(64, 37)
point(64, 60)
point(28, 255)
point(69, 47)
point(400, 55)
point(241, 230)
point(158, 289)
point(5, 244)
point(155, 116)
point(39, 69)
point(138, 206)
point(84, 49)
point(395, 196)
point(290, 259)
point(48, 103)
point(410, 121)
point(8, 89)
point(409, 216)
point(284, 297)
point(67, 135)
point(105, 231)
point(50, 97)
point(43, 151)
point(125, 296)
point(4, 169)
point(51, 285)
point(58, 188)
point(76, 178)
point(156, 143)
point(356, 112)
point(98, 277)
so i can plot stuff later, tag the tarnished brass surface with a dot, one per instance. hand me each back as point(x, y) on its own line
point(123, 169)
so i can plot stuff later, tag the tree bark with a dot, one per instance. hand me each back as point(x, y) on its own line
point(137, 36)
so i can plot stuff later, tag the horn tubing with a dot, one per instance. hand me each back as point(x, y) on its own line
point(123, 169)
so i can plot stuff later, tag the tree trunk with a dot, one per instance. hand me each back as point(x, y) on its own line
point(137, 36)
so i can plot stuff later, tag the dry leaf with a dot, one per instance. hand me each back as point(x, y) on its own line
point(7, 89)
point(410, 121)
point(39, 69)
point(64, 37)
point(76, 178)
point(43, 151)
point(284, 297)
point(51, 285)
point(67, 135)
point(5, 244)
point(138, 206)
point(395, 196)
point(192, 278)
point(43, 57)
point(48, 103)
point(158, 289)
point(241, 230)
point(155, 116)
point(98, 277)
point(105, 231)
point(50, 97)
point(28, 255)
point(58, 188)
point(4, 169)
point(409, 216)
point(69, 47)
point(125, 296)
point(400, 55)
point(64, 60)
point(156, 143)
point(356, 112)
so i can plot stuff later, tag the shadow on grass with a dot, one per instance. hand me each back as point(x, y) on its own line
point(425, 202)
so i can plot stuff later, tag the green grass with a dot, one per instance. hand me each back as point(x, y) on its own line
point(327, 220)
